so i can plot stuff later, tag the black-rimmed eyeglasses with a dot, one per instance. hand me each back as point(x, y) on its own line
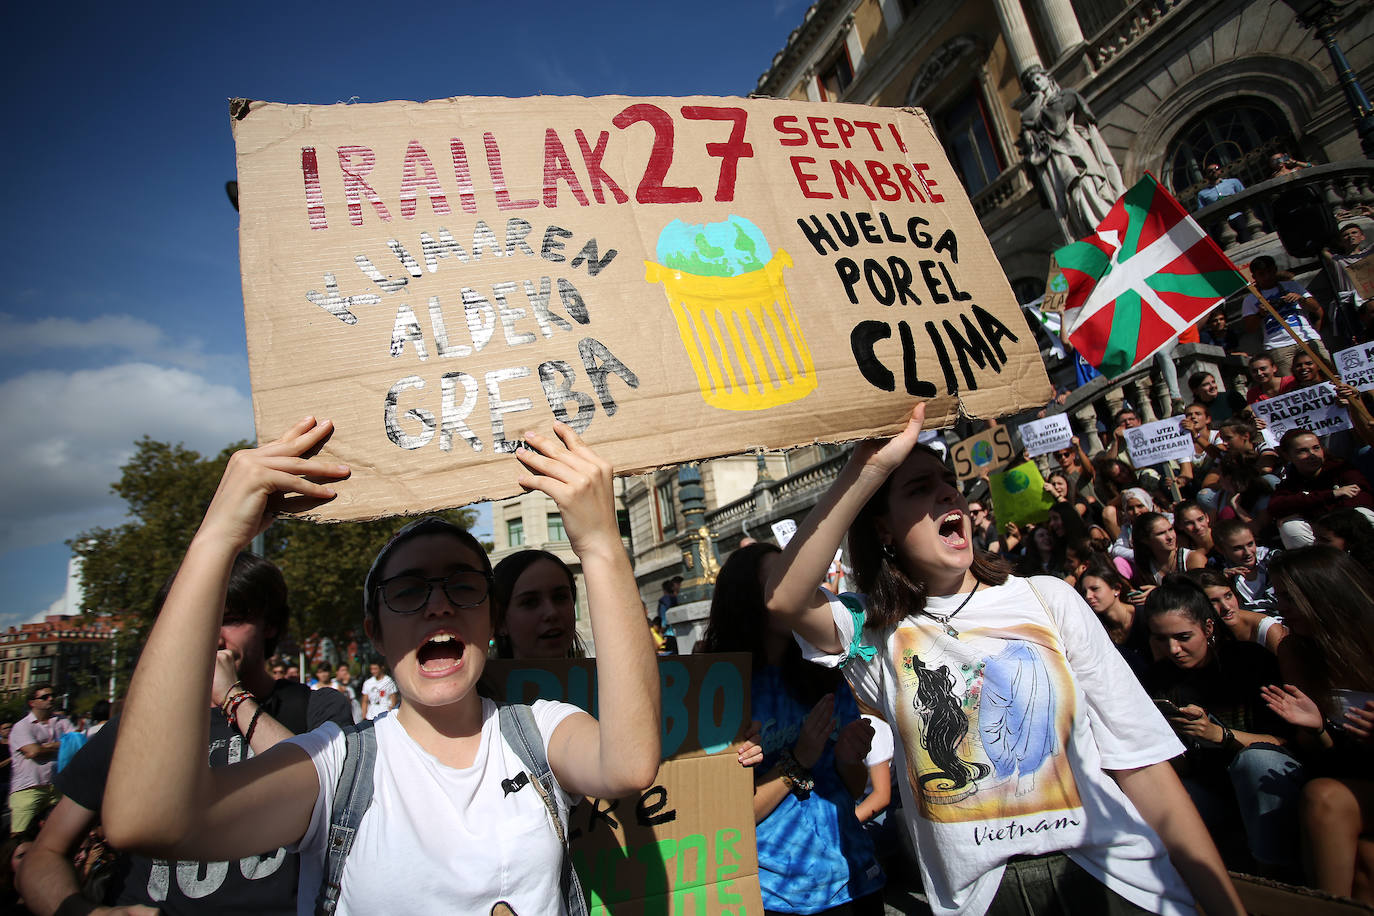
point(406, 594)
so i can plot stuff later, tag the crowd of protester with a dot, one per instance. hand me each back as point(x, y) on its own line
point(1202, 632)
point(1239, 589)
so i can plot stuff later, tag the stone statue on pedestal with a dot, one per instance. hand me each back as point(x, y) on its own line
point(1059, 137)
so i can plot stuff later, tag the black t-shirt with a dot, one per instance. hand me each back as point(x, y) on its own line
point(1229, 689)
point(257, 885)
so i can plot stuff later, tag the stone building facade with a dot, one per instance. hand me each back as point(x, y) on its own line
point(53, 652)
point(1173, 84)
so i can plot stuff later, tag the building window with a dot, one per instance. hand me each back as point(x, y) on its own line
point(835, 76)
point(556, 532)
point(667, 518)
point(515, 532)
point(1239, 135)
point(968, 140)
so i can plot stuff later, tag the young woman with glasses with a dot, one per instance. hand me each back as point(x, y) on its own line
point(441, 831)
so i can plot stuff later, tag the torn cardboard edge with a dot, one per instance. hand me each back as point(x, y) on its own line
point(309, 222)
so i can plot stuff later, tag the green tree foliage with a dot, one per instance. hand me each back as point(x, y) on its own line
point(168, 488)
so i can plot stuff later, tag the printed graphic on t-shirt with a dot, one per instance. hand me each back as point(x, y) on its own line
point(984, 719)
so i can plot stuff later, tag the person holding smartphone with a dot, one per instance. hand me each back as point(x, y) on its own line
point(1237, 767)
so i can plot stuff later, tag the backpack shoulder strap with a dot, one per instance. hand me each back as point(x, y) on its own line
point(521, 733)
point(352, 798)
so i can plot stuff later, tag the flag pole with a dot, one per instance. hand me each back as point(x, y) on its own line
point(1320, 363)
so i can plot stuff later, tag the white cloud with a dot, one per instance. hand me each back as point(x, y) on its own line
point(66, 435)
point(123, 334)
point(18, 618)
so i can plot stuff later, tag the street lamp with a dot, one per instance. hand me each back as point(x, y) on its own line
point(1320, 16)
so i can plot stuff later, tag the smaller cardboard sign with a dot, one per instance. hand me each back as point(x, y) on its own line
point(1018, 495)
point(705, 698)
point(783, 531)
point(1361, 275)
point(1356, 366)
point(686, 844)
point(980, 455)
point(1159, 442)
point(1314, 408)
point(1040, 437)
point(1056, 289)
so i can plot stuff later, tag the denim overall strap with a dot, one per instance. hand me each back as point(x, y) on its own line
point(352, 798)
point(521, 733)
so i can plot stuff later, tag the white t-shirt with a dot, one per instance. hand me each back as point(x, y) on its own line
point(1274, 334)
point(1256, 594)
point(438, 839)
point(1003, 735)
point(379, 692)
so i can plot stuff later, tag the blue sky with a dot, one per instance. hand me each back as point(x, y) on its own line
point(123, 314)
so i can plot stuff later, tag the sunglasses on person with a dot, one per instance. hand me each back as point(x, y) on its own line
point(43, 696)
point(408, 593)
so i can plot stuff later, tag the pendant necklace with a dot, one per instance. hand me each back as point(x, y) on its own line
point(944, 619)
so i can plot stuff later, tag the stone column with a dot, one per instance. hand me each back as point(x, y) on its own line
point(813, 88)
point(1060, 25)
point(1017, 33)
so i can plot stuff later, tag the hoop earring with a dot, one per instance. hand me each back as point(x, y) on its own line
point(889, 553)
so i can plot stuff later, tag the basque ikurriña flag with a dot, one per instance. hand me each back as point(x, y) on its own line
point(1147, 274)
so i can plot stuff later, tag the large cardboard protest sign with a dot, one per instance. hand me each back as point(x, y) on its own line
point(1048, 434)
point(686, 844)
point(1159, 442)
point(980, 455)
point(1314, 408)
point(675, 278)
point(1356, 366)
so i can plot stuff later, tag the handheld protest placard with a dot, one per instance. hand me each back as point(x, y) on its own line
point(675, 278)
point(979, 455)
point(686, 844)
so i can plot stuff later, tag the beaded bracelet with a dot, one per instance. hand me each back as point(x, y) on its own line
point(229, 695)
point(797, 777)
point(231, 707)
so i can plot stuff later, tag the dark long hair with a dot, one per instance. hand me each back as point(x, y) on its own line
point(1108, 489)
point(1353, 527)
point(1034, 562)
point(1334, 597)
point(1178, 592)
point(503, 579)
point(1072, 523)
point(1140, 540)
point(1104, 570)
point(430, 524)
point(739, 623)
point(256, 591)
point(892, 594)
point(946, 725)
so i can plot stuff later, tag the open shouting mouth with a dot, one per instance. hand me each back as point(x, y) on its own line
point(952, 531)
point(440, 654)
